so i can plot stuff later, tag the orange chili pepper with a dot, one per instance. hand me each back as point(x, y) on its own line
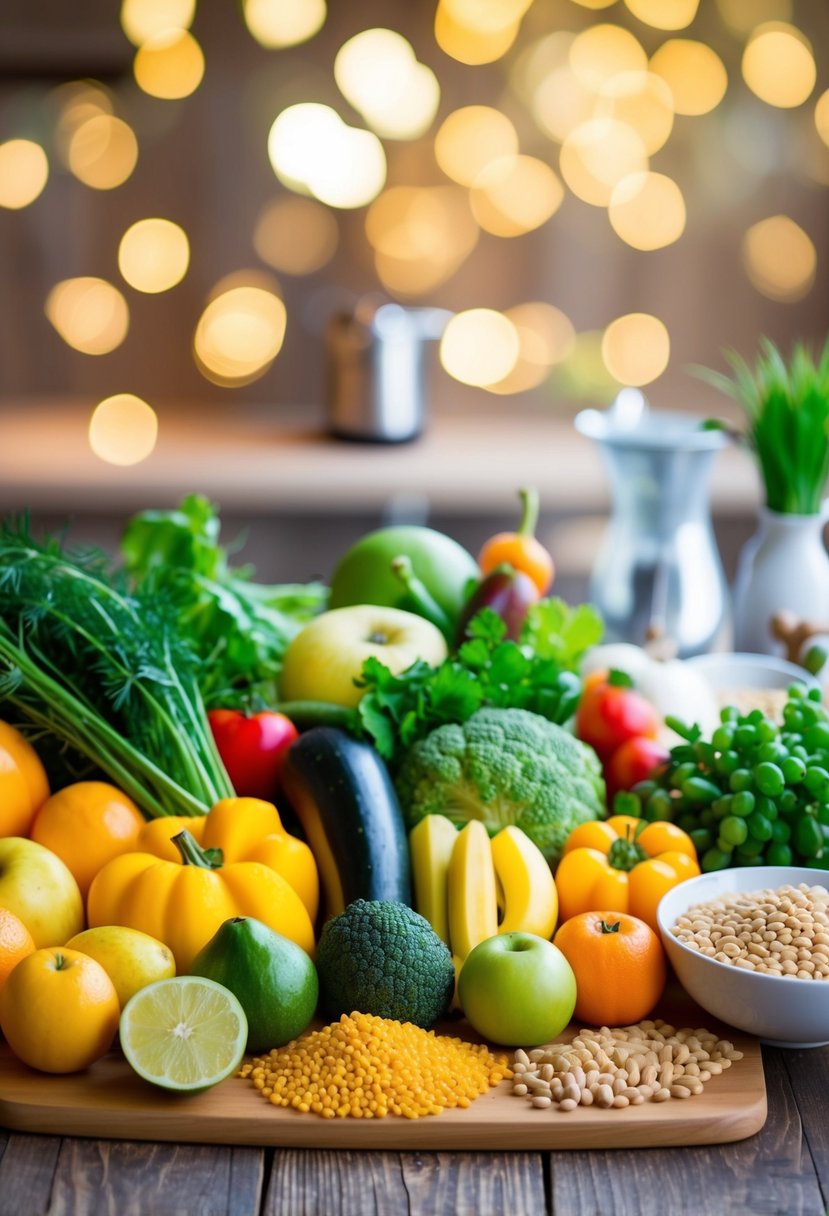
point(521, 549)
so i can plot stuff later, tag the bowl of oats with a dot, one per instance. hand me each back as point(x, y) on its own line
point(751, 946)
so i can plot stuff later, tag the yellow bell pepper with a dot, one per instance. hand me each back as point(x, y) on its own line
point(623, 864)
point(183, 905)
point(245, 829)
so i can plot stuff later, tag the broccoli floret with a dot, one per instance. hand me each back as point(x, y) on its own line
point(504, 766)
point(382, 957)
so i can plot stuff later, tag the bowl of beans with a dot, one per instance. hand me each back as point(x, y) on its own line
point(751, 946)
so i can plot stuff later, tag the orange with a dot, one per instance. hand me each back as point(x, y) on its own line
point(24, 786)
point(86, 825)
point(16, 942)
point(59, 1010)
point(619, 966)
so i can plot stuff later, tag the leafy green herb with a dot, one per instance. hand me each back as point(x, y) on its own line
point(536, 674)
point(105, 672)
point(240, 629)
point(787, 410)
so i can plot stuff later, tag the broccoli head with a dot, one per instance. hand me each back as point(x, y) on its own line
point(382, 957)
point(504, 766)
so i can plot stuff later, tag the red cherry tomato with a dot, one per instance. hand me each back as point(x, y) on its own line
point(252, 749)
point(610, 714)
point(632, 762)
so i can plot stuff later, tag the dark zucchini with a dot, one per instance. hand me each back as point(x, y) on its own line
point(342, 794)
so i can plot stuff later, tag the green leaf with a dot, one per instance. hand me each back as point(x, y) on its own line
point(555, 630)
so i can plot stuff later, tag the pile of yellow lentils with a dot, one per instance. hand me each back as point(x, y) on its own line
point(369, 1067)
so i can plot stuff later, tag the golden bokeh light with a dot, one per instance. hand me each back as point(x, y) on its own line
point(742, 16)
point(603, 51)
point(486, 16)
point(296, 235)
point(594, 4)
point(102, 152)
point(514, 195)
point(145, 19)
point(778, 65)
point(123, 429)
point(479, 347)
point(532, 65)
point(779, 259)
point(378, 73)
point(647, 210)
point(76, 102)
point(169, 66)
point(89, 314)
point(636, 348)
point(153, 255)
point(693, 72)
point(561, 103)
point(239, 335)
point(546, 336)
point(420, 236)
point(470, 44)
point(471, 138)
point(281, 23)
point(597, 155)
point(822, 117)
point(24, 171)
point(313, 151)
point(664, 14)
point(643, 101)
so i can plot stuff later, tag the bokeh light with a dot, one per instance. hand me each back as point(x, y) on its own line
point(24, 171)
point(102, 152)
point(169, 66)
point(280, 23)
point(313, 151)
point(693, 72)
point(546, 336)
point(561, 103)
point(296, 235)
point(145, 19)
point(822, 116)
point(742, 16)
point(597, 155)
point(471, 138)
point(378, 73)
point(471, 43)
point(603, 51)
point(636, 348)
point(778, 65)
point(90, 314)
point(643, 101)
point(664, 14)
point(514, 195)
point(647, 210)
point(779, 258)
point(479, 347)
point(153, 255)
point(420, 236)
point(123, 429)
point(239, 334)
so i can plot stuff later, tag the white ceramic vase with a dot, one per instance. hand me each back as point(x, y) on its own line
point(785, 565)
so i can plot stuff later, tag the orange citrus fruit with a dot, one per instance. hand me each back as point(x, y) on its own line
point(619, 966)
point(24, 786)
point(86, 825)
point(59, 1010)
point(16, 942)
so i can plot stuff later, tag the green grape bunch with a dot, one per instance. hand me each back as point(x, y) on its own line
point(756, 793)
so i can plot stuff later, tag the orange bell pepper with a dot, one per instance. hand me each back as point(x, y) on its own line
point(623, 864)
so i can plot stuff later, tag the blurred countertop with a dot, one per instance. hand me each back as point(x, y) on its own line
point(277, 460)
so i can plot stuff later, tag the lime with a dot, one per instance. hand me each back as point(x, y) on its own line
point(185, 1033)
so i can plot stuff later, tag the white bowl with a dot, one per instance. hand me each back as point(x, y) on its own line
point(783, 1011)
point(734, 671)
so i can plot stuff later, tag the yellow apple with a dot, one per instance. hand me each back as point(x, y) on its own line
point(37, 886)
point(324, 659)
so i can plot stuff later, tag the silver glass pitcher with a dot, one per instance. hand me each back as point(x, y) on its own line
point(658, 572)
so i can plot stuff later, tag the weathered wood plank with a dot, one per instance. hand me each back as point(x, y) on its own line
point(131, 1179)
point(768, 1173)
point(27, 1169)
point(393, 1184)
point(809, 1075)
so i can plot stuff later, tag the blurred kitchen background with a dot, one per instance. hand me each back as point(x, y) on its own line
point(601, 194)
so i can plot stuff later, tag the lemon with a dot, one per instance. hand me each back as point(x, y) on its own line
point(186, 1033)
point(130, 958)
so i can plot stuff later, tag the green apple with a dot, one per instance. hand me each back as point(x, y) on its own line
point(517, 989)
point(131, 959)
point(327, 655)
point(364, 574)
point(37, 886)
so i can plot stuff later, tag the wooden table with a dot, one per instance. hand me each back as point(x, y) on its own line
point(782, 1169)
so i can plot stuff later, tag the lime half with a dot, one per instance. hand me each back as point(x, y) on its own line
point(185, 1033)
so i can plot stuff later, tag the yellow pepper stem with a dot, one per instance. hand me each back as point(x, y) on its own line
point(192, 854)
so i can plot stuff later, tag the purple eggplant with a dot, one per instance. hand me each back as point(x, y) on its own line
point(509, 593)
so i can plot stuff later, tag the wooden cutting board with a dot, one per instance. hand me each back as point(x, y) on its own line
point(110, 1101)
